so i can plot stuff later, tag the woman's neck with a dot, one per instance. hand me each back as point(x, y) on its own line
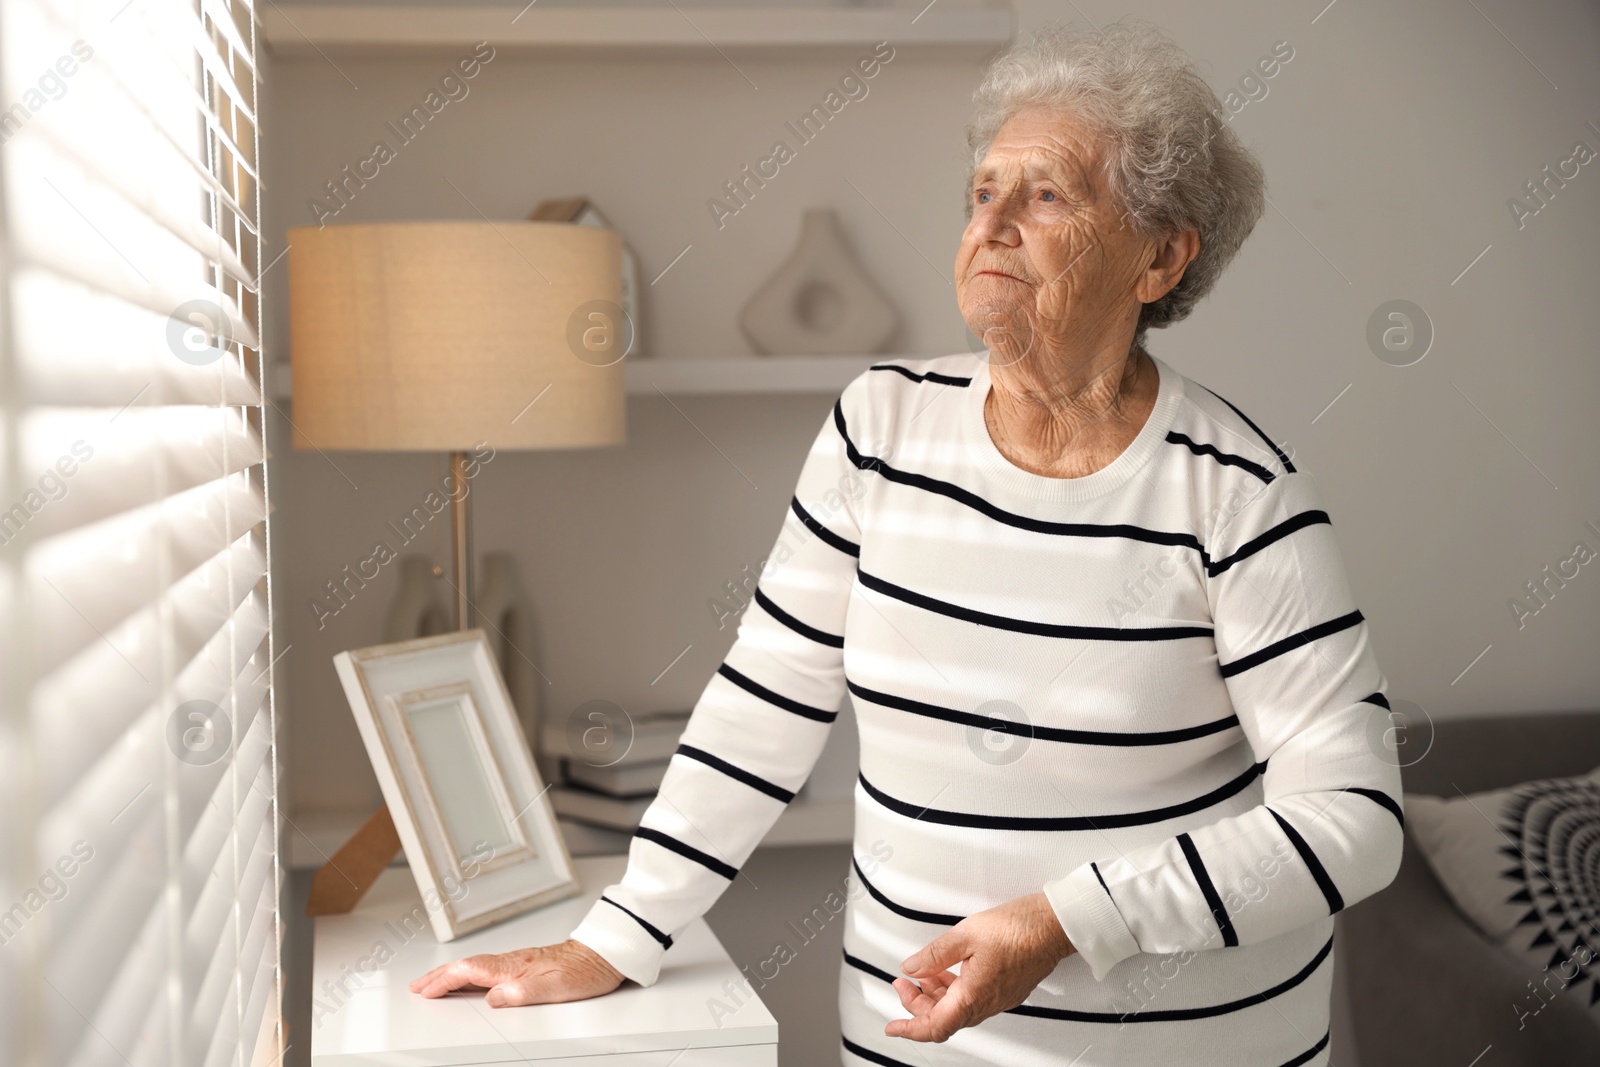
point(1065, 418)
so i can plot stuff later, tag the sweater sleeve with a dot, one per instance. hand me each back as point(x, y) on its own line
point(1302, 677)
point(759, 725)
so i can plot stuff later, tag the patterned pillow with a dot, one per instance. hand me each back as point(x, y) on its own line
point(1524, 864)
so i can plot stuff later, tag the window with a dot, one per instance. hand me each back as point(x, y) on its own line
point(139, 825)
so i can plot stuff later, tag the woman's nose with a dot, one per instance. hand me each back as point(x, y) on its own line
point(996, 219)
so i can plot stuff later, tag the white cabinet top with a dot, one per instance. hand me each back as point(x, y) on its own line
point(362, 1012)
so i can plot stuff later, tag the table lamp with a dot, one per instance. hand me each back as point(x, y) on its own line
point(439, 337)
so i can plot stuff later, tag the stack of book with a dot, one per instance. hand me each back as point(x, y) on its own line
point(612, 790)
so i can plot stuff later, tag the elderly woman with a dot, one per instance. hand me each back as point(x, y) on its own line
point(1121, 725)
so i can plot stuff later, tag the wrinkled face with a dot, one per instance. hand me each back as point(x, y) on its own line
point(1046, 263)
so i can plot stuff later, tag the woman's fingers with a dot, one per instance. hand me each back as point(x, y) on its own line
point(935, 985)
point(482, 971)
point(952, 946)
point(515, 993)
point(528, 976)
point(907, 991)
point(1002, 955)
point(416, 984)
point(936, 1020)
point(919, 999)
point(920, 1002)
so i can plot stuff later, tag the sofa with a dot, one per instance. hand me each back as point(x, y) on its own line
point(1423, 984)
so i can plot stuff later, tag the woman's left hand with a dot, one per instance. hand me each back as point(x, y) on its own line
point(1004, 953)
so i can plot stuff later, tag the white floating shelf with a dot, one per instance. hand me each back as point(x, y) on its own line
point(745, 374)
point(806, 821)
point(313, 836)
point(814, 822)
point(727, 376)
point(306, 29)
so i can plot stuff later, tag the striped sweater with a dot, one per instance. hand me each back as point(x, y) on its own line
point(1146, 692)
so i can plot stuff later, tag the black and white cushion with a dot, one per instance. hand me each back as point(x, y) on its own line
point(1524, 865)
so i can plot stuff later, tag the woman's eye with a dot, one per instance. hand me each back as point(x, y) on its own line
point(983, 196)
point(1048, 195)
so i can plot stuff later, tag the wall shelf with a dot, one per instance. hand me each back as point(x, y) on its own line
point(313, 836)
point(727, 376)
point(806, 821)
point(746, 374)
point(306, 29)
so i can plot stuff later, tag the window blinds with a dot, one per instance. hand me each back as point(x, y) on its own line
point(139, 870)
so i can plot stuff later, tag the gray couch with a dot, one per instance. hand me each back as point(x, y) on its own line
point(1424, 986)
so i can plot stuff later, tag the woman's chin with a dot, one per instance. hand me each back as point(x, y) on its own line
point(1006, 331)
point(981, 315)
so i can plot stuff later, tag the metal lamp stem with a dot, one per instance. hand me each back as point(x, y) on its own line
point(461, 539)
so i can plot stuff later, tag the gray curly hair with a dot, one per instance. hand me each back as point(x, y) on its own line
point(1167, 160)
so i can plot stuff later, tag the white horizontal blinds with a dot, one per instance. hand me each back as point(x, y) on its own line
point(16, 854)
point(140, 733)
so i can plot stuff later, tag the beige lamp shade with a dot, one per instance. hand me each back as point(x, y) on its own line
point(437, 336)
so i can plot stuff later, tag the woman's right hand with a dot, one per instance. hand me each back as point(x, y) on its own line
point(544, 975)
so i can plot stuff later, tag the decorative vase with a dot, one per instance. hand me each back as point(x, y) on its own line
point(505, 613)
point(502, 611)
point(820, 301)
point(416, 610)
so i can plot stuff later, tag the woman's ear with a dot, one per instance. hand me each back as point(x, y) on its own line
point(1173, 257)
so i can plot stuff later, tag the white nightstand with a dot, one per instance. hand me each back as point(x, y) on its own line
point(701, 1013)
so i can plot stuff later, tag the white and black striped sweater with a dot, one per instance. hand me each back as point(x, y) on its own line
point(1146, 692)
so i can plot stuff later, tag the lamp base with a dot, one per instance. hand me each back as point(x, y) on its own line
point(461, 540)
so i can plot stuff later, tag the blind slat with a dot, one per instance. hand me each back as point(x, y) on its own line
point(122, 1013)
point(126, 886)
point(126, 871)
point(77, 253)
point(206, 849)
point(261, 1018)
point(152, 51)
point(104, 69)
point(98, 782)
point(93, 463)
point(222, 17)
point(97, 585)
point(117, 792)
point(169, 182)
point(188, 33)
point(239, 1029)
point(212, 941)
point(69, 367)
point(117, 238)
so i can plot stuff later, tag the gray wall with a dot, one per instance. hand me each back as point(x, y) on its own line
point(621, 548)
point(1392, 142)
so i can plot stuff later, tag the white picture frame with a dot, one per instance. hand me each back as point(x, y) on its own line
point(467, 801)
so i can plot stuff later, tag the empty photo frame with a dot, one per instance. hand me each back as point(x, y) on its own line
point(458, 778)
